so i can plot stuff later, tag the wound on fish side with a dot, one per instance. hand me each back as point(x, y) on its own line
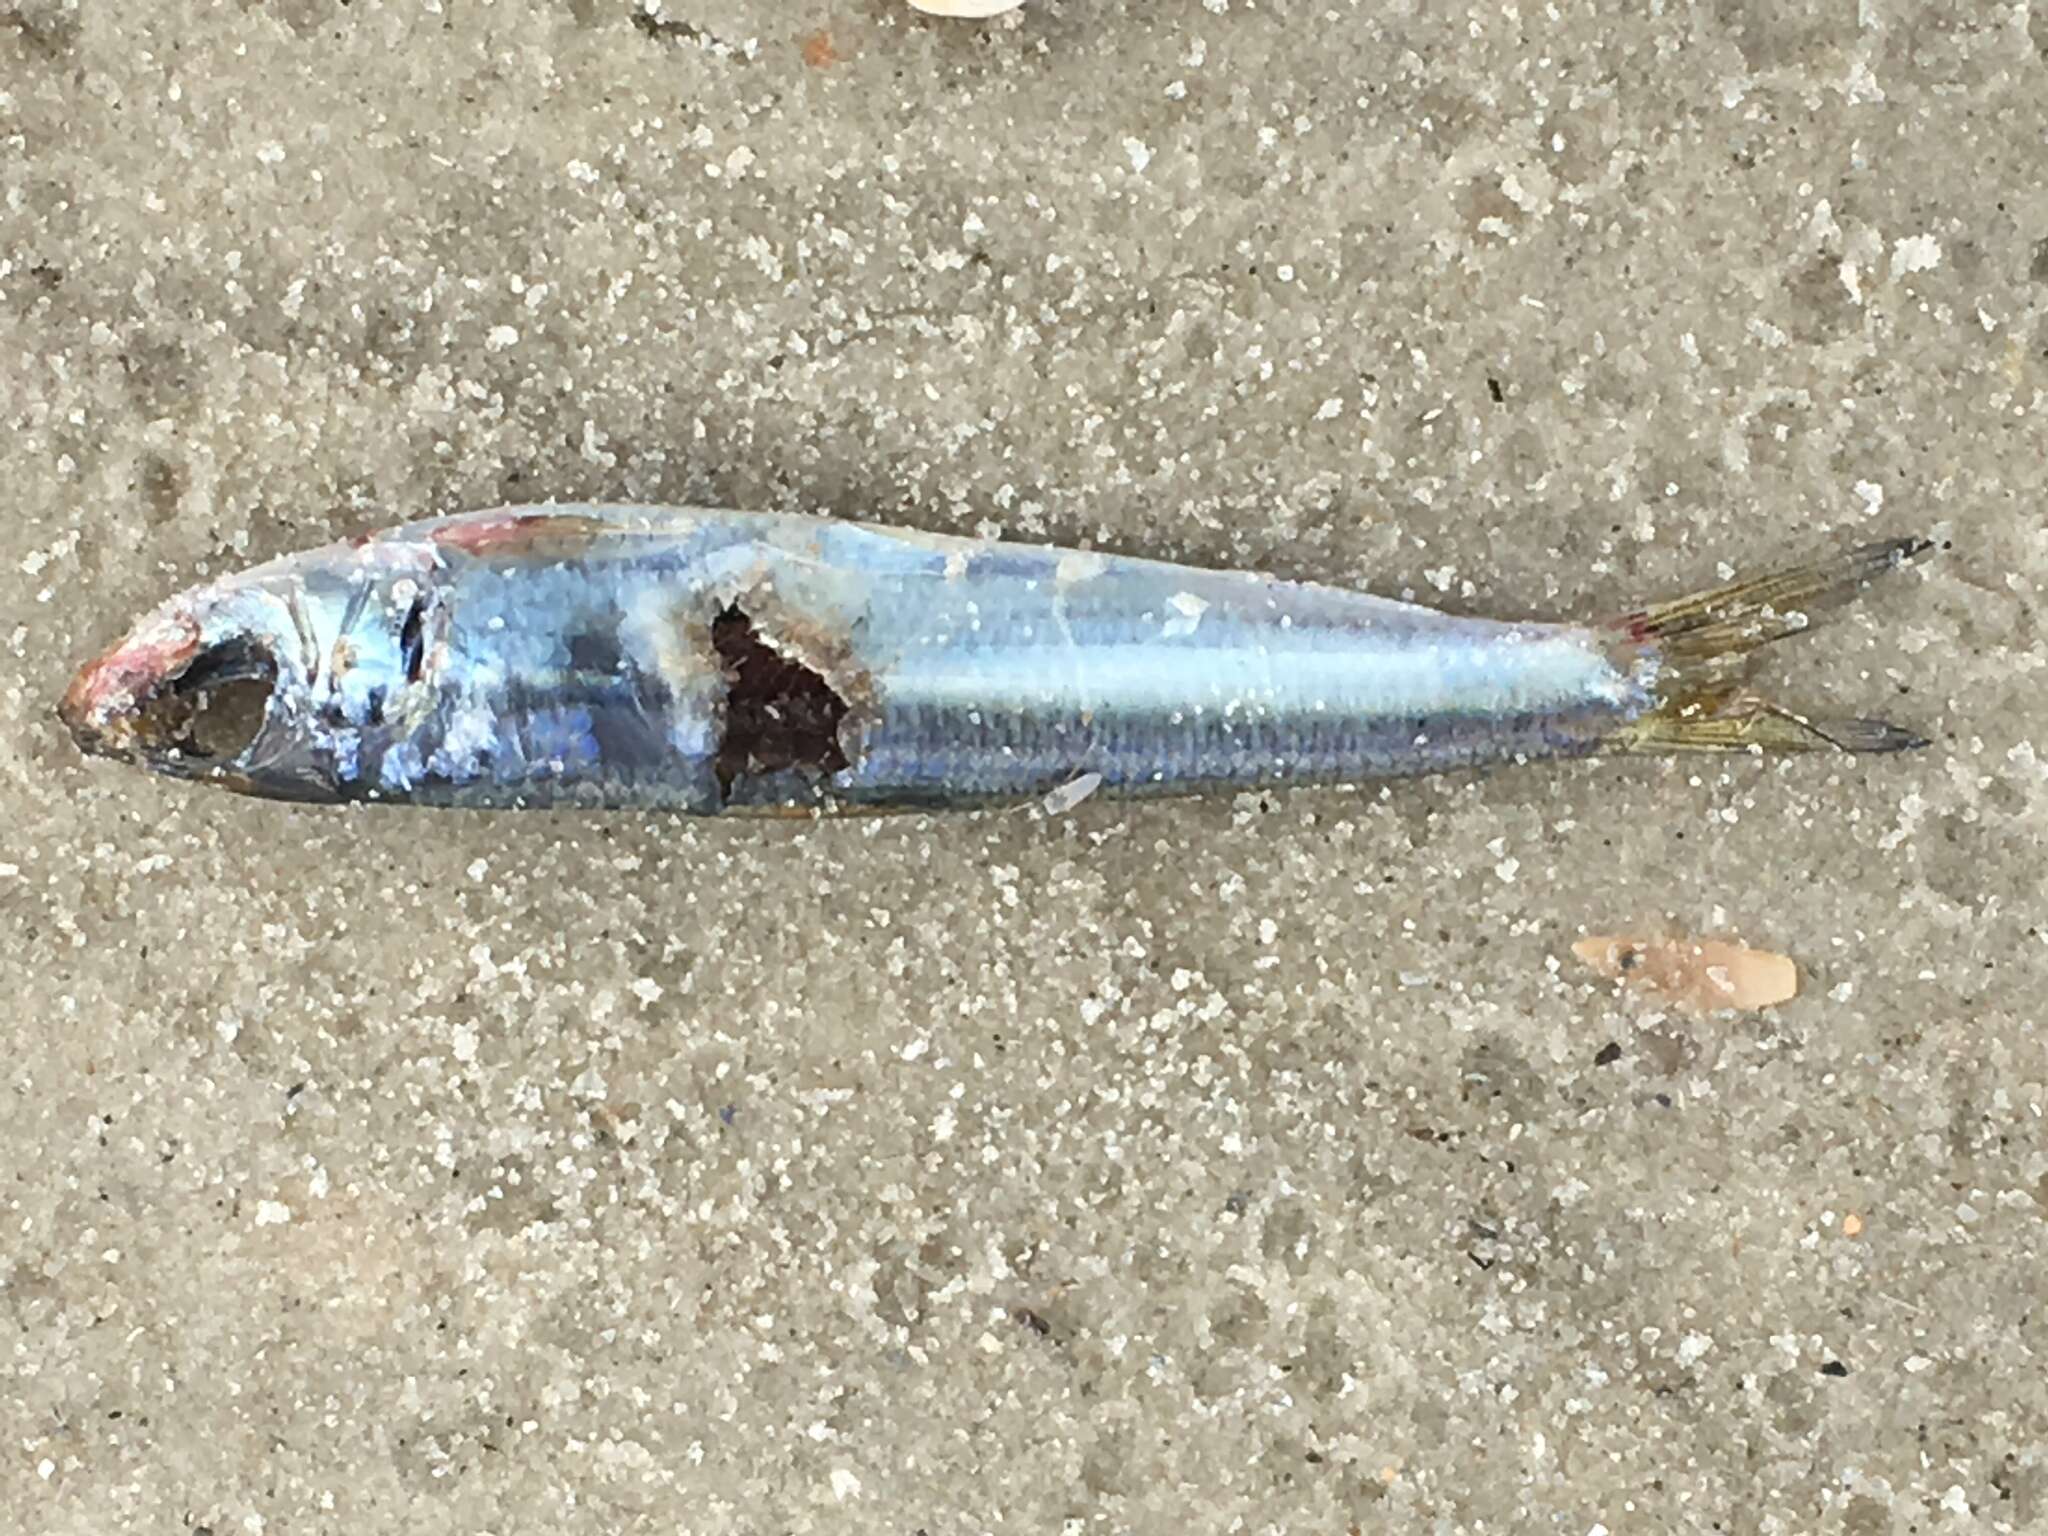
point(778, 713)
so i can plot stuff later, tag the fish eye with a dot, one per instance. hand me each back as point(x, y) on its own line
point(215, 708)
point(412, 643)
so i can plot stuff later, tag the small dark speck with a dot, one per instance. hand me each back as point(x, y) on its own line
point(727, 1114)
point(1609, 1054)
point(1032, 1320)
point(294, 1091)
point(1664, 1099)
point(663, 28)
point(1493, 388)
point(1236, 1205)
point(1834, 1368)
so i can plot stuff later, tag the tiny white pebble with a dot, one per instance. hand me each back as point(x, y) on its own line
point(1915, 253)
point(973, 10)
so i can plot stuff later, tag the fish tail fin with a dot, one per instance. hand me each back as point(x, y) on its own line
point(1695, 652)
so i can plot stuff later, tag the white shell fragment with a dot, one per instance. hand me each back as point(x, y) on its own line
point(1698, 975)
point(974, 9)
point(1188, 610)
point(1069, 795)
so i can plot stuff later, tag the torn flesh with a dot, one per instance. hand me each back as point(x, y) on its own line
point(778, 714)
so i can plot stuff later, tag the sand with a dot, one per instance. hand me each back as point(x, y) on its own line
point(1267, 1165)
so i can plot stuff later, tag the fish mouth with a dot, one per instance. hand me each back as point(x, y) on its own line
point(169, 702)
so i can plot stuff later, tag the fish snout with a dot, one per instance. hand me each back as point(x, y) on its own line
point(81, 709)
point(105, 707)
point(172, 696)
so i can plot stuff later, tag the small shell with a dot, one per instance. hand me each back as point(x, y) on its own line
point(1698, 975)
point(975, 9)
point(1067, 796)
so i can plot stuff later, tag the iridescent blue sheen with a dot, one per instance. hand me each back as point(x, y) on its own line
point(566, 655)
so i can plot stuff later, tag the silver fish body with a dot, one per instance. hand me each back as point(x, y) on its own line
point(711, 661)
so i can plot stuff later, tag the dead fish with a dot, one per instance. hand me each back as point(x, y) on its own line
point(711, 661)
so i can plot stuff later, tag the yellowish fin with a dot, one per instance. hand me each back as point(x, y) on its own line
point(1701, 646)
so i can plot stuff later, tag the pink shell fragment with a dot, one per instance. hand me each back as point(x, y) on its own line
point(1698, 975)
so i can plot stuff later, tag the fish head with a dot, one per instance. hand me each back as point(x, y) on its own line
point(271, 681)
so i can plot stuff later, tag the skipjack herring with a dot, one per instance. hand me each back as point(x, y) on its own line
point(716, 662)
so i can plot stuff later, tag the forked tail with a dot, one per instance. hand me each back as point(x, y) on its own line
point(1698, 649)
